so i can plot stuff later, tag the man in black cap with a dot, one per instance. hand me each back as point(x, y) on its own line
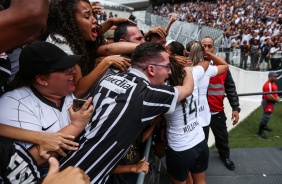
point(39, 101)
point(268, 102)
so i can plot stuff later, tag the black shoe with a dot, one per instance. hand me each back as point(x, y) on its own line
point(268, 129)
point(262, 134)
point(228, 163)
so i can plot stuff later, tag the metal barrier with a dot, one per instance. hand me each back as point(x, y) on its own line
point(184, 32)
point(141, 176)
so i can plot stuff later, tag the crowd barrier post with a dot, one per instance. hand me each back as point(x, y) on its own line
point(141, 176)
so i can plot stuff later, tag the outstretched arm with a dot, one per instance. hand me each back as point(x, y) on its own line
point(44, 140)
point(172, 19)
point(116, 48)
point(114, 21)
point(221, 64)
point(84, 84)
point(141, 166)
point(20, 21)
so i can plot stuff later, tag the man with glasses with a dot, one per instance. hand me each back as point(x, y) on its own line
point(218, 87)
point(124, 104)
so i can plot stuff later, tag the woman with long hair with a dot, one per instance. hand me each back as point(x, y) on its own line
point(72, 26)
point(187, 149)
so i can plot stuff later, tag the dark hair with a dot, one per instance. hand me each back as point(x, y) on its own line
point(21, 80)
point(62, 20)
point(177, 75)
point(177, 48)
point(132, 17)
point(121, 31)
point(147, 52)
point(210, 38)
point(154, 36)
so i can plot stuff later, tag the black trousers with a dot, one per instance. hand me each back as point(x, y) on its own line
point(227, 55)
point(219, 129)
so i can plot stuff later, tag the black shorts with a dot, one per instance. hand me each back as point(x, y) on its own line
point(195, 160)
point(264, 59)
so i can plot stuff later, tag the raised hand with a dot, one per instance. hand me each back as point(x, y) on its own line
point(173, 17)
point(183, 61)
point(159, 30)
point(70, 175)
point(119, 62)
point(119, 20)
point(96, 9)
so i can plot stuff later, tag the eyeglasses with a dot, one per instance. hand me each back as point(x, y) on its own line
point(167, 66)
point(68, 71)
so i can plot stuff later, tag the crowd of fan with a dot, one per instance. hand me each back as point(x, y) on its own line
point(64, 56)
point(246, 20)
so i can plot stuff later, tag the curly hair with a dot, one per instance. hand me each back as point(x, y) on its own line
point(62, 20)
point(195, 51)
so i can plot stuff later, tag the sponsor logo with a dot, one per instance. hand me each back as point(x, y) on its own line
point(117, 84)
point(44, 129)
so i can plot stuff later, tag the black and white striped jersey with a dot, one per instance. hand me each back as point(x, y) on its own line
point(124, 104)
point(17, 166)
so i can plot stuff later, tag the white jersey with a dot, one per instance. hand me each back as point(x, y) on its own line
point(204, 110)
point(183, 128)
point(26, 108)
point(65, 47)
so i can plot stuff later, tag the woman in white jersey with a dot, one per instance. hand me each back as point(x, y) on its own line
point(187, 149)
point(220, 68)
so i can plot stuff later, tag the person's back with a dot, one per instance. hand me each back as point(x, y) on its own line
point(124, 104)
point(183, 129)
point(187, 149)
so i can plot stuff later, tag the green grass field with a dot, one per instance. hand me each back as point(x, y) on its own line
point(245, 134)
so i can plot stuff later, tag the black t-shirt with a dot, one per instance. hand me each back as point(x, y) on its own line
point(244, 49)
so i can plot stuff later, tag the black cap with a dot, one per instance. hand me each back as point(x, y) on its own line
point(40, 57)
point(273, 74)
